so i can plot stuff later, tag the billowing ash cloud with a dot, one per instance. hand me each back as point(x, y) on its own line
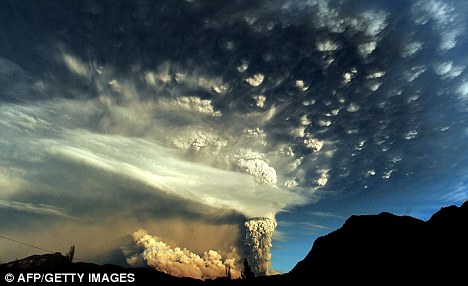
point(258, 238)
point(182, 262)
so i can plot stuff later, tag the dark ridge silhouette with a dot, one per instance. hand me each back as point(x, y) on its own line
point(386, 247)
point(376, 249)
point(58, 263)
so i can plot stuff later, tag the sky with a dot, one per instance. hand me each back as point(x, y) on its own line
point(143, 131)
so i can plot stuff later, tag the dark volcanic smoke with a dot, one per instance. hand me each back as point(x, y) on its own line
point(259, 240)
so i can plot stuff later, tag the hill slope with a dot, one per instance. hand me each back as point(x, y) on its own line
point(391, 247)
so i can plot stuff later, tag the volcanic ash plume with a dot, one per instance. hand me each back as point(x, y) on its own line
point(180, 261)
point(258, 240)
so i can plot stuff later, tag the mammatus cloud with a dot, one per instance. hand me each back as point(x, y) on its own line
point(255, 80)
point(192, 103)
point(196, 139)
point(181, 261)
point(253, 163)
point(447, 21)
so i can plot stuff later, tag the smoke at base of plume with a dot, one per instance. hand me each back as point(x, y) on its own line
point(259, 240)
point(181, 262)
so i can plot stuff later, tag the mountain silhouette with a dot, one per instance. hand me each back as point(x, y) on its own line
point(378, 249)
point(386, 247)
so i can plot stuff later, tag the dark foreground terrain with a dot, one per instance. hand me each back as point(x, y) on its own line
point(372, 249)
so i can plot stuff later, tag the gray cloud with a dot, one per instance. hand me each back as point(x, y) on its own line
point(326, 214)
point(31, 208)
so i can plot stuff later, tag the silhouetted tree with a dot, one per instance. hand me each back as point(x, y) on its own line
point(71, 253)
point(247, 272)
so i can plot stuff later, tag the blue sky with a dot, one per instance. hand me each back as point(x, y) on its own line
point(145, 132)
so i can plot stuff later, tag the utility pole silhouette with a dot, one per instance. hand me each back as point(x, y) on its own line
point(71, 253)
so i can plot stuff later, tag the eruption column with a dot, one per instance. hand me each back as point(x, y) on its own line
point(258, 240)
